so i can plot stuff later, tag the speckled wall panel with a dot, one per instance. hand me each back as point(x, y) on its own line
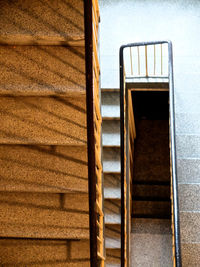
point(42, 70)
point(41, 215)
point(46, 22)
point(43, 168)
point(43, 120)
point(43, 253)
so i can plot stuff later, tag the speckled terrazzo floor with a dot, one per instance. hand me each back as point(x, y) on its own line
point(151, 243)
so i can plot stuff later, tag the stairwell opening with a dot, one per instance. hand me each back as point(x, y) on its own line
point(151, 207)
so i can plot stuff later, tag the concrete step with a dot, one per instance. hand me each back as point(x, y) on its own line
point(112, 180)
point(113, 257)
point(111, 133)
point(156, 175)
point(112, 210)
point(190, 253)
point(113, 236)
point(149, 170)
point(111, 159)
point(44, 252)
point(110, 102)
point(42, 22)
point(110, 90)
point(188, 170)
point(43, 120)
point(112, 193)
point(43, 168)
point(112, 186)
point(188, 146)
point(154, 192)
point(151, 209)
point(42, 215)
point(158, 234)
point(148, 129)
point(42, 70)
point(190, 226)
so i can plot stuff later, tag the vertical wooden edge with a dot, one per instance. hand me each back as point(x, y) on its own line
point(90, 130)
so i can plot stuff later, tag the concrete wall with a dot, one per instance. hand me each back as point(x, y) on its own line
point(130, 21)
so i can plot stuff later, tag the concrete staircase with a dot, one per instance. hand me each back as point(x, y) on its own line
point(111, 169)
point(44, 218)
point(151, 168)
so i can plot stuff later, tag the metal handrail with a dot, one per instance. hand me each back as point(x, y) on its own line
point(143, 70)
point(90, 130)
point(95, 184)
point(124, 129)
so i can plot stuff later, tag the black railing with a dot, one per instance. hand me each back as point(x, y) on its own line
point(95, 176)
point(90, 130)
point(125, 179)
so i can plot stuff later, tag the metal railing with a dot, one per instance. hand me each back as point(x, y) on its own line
point(147, 61)
point(94, 121)
point(144, 71)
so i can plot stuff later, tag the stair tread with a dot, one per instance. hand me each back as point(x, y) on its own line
point(110, 90)
point(112, 192)
point(151, 209)
point(112, 211)
point(113, 236)
point(38, 22)
point(43, 120)
point(151, 192)
point(113, 257)
point(112, 242)
point(41, 215)
point(158, 234)
point(151, 226)
point(42, 70)
point(110, 103)
point(112, 180)
point(111, 133)
point(111, 159)
point(43, 168)
point(27, 252)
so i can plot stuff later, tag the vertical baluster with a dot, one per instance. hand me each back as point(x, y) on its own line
point(154, 60)
point(161, 59)
point(131, 61)
point(138, 52)
point(146, 61)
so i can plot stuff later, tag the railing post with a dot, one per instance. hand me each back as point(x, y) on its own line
point(175, 211)
point(138, 52)
point(161, 55)
point(154, 49)
point(131, 61)
point(122, 124)
point(146, 61)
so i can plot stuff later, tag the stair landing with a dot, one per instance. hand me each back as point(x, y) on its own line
point(151, 241)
